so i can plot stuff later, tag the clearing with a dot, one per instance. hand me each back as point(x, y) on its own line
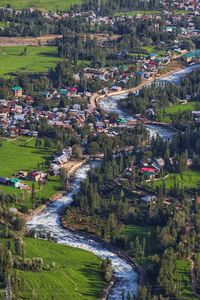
point(169, 113)
point(188, 179)
point(182, 277)
point(130, 232)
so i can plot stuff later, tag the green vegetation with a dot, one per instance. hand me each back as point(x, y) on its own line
point(38, 59)
point(147, 232)
point(7, 24)
point(169, 113)
point(182, 279)
point(76, 274)
point(153, 49)
point(45, 5)
point(147, 12)
point(136, 12)
point(188, 179)
point(21, 154)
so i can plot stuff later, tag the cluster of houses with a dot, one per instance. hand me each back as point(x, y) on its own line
point(36, 175)
point(60, 160)
point(16, 114)
point(152, 168)
point(14, 182)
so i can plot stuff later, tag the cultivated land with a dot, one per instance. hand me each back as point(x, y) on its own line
point(169, 113)
point(38, 59)
point(182, 277)
point(21, 154)
point(45, 5)
point(76, 275)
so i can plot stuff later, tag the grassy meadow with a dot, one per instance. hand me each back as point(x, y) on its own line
point(182, 279)
point(44, 5)
point(38, 59)
point(76, 275)
point(188, 179)
point(21, 154)
point(143, 232)
point(169, 113)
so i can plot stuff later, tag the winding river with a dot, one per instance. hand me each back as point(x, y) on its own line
point(48, 221)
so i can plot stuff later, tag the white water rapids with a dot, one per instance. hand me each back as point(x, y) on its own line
point(48, 221)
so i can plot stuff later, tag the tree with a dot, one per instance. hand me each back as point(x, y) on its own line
point(93, 148)
point(77, 151)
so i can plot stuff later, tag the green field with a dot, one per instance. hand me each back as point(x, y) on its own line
point(45, 5)
point(182, 279)
point(169, 113)
point(143, 232)
point(188, 179)
point(76, 275)
point(21, 154)
point(38, 59)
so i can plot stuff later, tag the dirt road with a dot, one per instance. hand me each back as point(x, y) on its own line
point(27, 41)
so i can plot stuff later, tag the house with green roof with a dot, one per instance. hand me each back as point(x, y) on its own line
point(17, 90)
point(188, 57)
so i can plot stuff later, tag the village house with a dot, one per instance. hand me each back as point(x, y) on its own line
point(17, 91)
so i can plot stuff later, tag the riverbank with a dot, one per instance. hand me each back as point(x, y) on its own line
point(120, 253)
point(71, 167)
point(48, 223)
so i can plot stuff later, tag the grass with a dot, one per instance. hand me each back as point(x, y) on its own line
point(76, 275)
point(182, 279)
point(169, 113)
point(149, 49)
point(21, 154)
point(38, 59)
point(143, 232)
point(44, 5)
point(152, 49)
point(188, 179)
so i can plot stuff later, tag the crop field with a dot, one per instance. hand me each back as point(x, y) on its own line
point(76, 275)
point(21, 154)
point(44, 5)
point(38, 59)
point(169, 113)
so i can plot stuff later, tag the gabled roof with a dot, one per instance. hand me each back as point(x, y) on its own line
point(16, 88)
